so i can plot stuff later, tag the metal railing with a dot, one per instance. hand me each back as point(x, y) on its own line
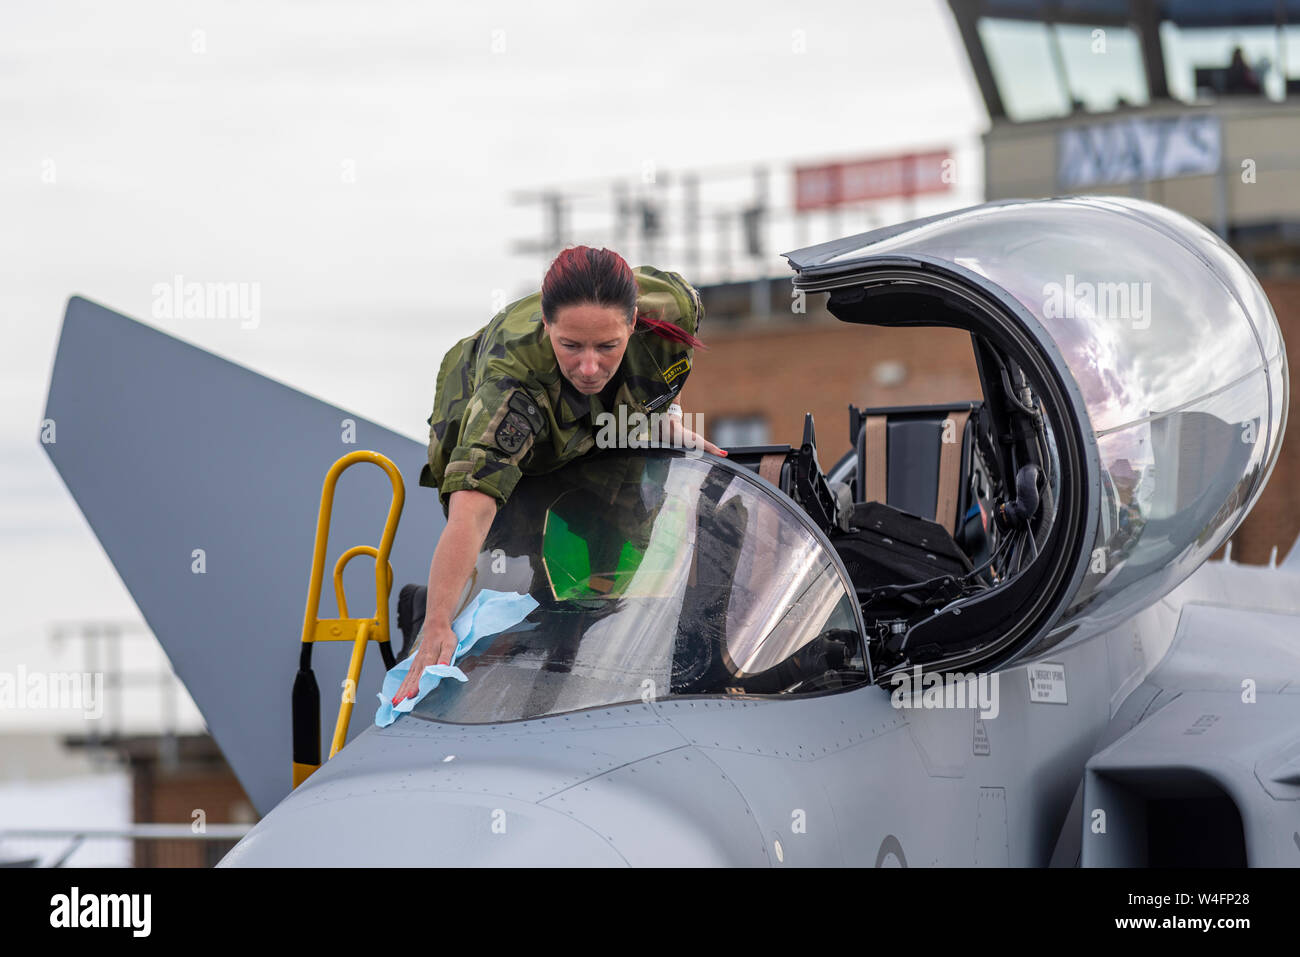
point(76, 836)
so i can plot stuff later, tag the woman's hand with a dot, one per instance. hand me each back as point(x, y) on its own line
point(437, 645)
point(675, 433)
point(471, 515)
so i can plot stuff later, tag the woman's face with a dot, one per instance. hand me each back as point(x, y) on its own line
point(589, 342)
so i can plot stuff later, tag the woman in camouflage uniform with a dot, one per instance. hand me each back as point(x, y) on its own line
point(522, 396)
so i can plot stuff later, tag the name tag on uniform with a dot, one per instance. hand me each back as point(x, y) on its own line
point(680, 367)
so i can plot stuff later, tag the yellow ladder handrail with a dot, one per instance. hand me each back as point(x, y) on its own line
point(306, 696)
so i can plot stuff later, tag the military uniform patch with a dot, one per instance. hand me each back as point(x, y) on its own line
point(513, 432)
point(523, 404)
point(680, 367)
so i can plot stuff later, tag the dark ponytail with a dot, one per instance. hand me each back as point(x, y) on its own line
point(581, 275)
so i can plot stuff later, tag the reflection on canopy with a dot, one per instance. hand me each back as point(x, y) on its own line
point(1177, 355)
point(656, 574)
point(1144, 323)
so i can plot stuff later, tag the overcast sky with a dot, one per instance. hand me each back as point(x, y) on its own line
point(356, 160)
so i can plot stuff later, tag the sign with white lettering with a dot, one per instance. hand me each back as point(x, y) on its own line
point(858, 181)
point(1137, 148)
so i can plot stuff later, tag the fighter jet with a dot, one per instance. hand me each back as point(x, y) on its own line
point(984, 633)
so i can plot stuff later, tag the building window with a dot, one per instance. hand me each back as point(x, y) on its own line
point(1103, 66)
point(1021, 58)
point(1199, 62)
point(1044, 70)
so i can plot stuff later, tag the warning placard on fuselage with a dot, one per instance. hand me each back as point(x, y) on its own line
point(1046, 683)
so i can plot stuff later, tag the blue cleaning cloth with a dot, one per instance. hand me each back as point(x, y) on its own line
point(490, 613)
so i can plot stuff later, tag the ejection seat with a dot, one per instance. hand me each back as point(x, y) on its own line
point(916, 515)
point(775, 463)
point(920, 459)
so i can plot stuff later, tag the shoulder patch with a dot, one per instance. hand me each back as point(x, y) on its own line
point(526, 406)
point(513, 432)
point(522, 420)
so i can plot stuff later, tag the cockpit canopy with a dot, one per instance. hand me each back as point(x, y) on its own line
point(1161, 346)
point(658, 573)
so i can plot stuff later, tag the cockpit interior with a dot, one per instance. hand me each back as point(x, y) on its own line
point(932, 503)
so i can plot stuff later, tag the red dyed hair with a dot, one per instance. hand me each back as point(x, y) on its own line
point(581, 275)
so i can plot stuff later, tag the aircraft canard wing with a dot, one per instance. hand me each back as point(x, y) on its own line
point(202, 481)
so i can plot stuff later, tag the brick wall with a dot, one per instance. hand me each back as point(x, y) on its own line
point(782, 368)
point(1275, 519)
point(171, 796)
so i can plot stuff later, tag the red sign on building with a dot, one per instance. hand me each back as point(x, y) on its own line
point(834, 184)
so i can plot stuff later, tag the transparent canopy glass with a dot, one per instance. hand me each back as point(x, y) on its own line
point(657, 574)
point(1177, 355)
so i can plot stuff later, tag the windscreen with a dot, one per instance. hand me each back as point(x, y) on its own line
point(657, 574)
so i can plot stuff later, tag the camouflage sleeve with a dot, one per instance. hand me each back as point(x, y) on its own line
point(697, 306)
point(501, 424)
point(666, 295)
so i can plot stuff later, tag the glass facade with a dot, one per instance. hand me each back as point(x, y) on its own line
point(1044, 69)
point(1199, 62)
point(1048, 69)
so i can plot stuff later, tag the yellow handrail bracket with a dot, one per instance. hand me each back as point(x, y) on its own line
point(359, 631)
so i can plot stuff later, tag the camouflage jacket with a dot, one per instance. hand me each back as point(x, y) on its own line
point(502, 408)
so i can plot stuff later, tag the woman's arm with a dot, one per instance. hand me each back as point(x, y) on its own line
point(469, 518)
